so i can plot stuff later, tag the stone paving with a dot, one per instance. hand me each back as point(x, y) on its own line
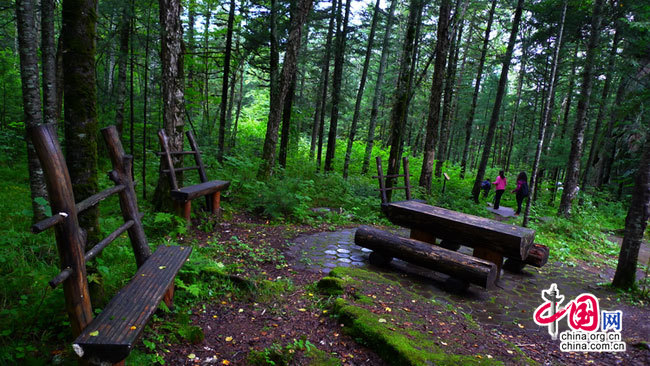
point(511, 304)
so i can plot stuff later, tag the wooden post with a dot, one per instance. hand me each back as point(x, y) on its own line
point(199, 162)
point(422, 236)
point(187, 210)
point(444, 182)
point(168, 297)
point(490, 256)
point(121, 174)
point(164, 144)
point(407, 178)
point(382, 183)
point(216, 202)
point(69, 237)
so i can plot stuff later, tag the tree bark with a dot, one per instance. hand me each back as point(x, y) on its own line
point(27, 47)
point(401, 96)
point(546, 115)
point(573, 165)
point(125, 31)
point(362, 85)
point(477, 87)
point(224, 84)
point(341, 35)
point(173, 92)
point(286, 123)
point(635, 224)
point(378, 86)
point(515, 114)
point(433, 120)
point(286, 78)
point(48, 57)
point(79, 19)
point(497, 102)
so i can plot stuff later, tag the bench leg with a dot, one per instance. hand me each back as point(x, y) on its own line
point(492, 256)
point(168, 297)
point(216, 202)
point(183, 209)
point(422, 236)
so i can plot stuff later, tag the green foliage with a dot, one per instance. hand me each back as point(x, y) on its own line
point(279, 355)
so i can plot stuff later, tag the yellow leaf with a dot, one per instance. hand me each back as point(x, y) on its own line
point(228, 339)
point(302, 309)
point(133, 327)
point(225, 362)
point(214, 316)
point(94, 334)
point(241, 310)
point(521, 326)
point(191, 355)
point(382, 320)
point(324, 311)
point(388, 309)
point(162, 267)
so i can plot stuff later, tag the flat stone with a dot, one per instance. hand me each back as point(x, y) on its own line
point(330, 252)
point(357, 258)
point(366, 250)
point(344, 260)
point(342, 250)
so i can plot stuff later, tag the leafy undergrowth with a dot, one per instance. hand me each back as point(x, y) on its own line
point(405, 328)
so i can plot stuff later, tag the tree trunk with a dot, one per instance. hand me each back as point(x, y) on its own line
point(48, 57)
point(27, 47)
point(609, 147)
point(635, 224)
point(400, 101)
point(362, 85)
point(515, 114)
point(341, 35)
point(602, 107)
point(378, 86)
point(573, 165)
point(433, 120)
point(145, 109)
point(319, 118)
point(446, 106)
point(286, 123)
point(286, 79)
point(546, 116)
point(477, 87)
point(121, 64)
point(224, 84)
point(497, 102)
point(79, 33)
point(171, 55)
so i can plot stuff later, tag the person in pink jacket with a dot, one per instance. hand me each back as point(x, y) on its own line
point(500, 187)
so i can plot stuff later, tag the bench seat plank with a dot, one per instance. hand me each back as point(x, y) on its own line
point(473, 231)
point(191, 192)
point(110, 336)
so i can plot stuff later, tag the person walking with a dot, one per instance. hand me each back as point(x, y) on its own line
point(521, 190)
point(500, 187)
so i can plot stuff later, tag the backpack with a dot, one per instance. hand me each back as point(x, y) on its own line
point(486, 184)
point(524, 189)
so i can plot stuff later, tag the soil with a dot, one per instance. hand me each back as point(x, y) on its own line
point(234, 326)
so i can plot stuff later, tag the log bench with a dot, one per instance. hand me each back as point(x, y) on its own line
point(183, 196)
point(110, 337)
point(465, 267)
point(490, 239)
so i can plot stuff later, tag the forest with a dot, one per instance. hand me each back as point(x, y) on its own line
point(293, 102)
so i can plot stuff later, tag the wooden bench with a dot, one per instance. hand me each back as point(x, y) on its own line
point(183, 196)
point(108, 338)
point(491, 240)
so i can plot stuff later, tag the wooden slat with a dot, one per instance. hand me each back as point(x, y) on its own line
point(510, 240)
point(164, 144)
point(62, 276)
point(198, 190)
point(176, 170)
point(45, 224)
point(98, 197)
point(382, 187)
point(123, 319)
point(92, 253)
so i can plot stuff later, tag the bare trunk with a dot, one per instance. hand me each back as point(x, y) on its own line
point(573, 165)
point(224, 86)
point(497, 102)
point(121, 74)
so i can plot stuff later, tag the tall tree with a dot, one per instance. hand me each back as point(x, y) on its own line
point(362, 86)
point(501, 88)
point(546, 116)
point(378, 86)
point(402, 90)
point(224, 83)
point(125, 32)
point(433, 120)
point(48, 63)
point(286, 78)
point(477, 87)
point(28, 50)
point(173, 91)
point(341, 37)
point(577, 141)
point(79, 19)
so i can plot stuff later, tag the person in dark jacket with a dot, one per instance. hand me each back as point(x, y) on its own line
point(521, 190)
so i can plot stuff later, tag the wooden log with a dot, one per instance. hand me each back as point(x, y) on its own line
point(199, 162)
point(537, 257)
point(458, 265)
point(69, 237)
point(510, 240)
point(490, 256)
point(96, 198)
point(45, 224)
point(121, 175)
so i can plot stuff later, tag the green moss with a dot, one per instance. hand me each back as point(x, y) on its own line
point(331, 286)
point(520, 358)
point(397, 347)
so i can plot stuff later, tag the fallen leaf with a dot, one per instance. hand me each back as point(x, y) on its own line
point(228, 339)
point(225, 362)
point(302, 309)
point(94, 334)
point(162, 267)
point(521, 326)
point(133, 327)
point(241, 310)
point(191, 355)
point(443, 343)
point(388, 309)
point(382, 320)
